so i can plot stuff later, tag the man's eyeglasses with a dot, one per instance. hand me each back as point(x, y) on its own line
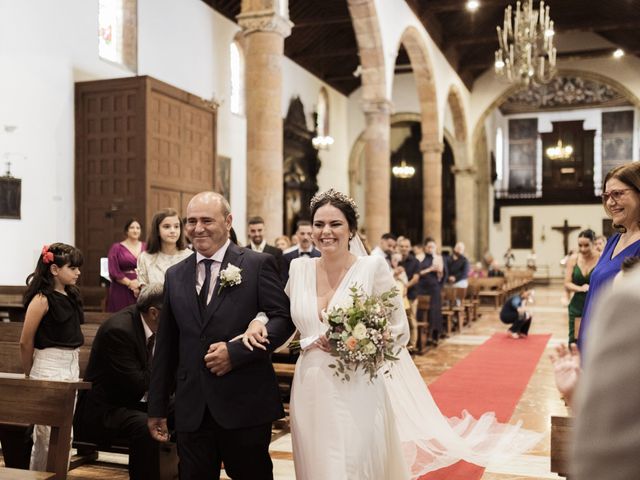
point(616, 195)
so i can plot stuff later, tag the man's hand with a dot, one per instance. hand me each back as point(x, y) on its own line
point(158, 429)
point(217, 359)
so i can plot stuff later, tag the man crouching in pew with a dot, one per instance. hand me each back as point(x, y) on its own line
point(115, 409)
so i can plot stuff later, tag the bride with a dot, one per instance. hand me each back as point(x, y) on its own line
point(386, 429)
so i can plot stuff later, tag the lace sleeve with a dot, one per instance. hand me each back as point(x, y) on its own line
point(383, 282)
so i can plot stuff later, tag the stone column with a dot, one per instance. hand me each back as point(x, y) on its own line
point(264, 33)
point(432, 189)
point(377, 179)
point(465, 208)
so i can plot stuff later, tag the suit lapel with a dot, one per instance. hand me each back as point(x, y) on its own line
point(234, 256)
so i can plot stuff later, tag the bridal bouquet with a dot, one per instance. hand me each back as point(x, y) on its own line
point(359, 333)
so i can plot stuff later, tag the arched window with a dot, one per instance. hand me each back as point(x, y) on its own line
point(322, 139)
point(117, 32)
point(499, 156)
point(237, 78)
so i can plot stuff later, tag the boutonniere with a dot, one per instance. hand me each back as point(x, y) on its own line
point(230, 277)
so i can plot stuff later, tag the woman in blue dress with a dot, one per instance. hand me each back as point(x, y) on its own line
point(621, 200)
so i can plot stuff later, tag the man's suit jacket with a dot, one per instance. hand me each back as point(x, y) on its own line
point(607, 425)
point(288, 257)
point(277, 253)
point(246, 396)
point(118, 370)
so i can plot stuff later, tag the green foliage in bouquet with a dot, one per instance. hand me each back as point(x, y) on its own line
point(360, 336)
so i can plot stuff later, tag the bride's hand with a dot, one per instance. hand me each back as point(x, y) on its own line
point(256, 335)
point(322, 343)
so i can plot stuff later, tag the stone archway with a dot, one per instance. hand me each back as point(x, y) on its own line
point(377, 109)
point(431, 145)
point(465, 173)
point(481, 153)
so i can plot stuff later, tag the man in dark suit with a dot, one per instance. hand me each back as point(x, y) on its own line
point(226, 396)
point(305, 247)
point(119, 369)
point(258, 243)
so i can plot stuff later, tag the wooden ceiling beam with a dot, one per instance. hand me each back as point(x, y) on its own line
point(312, 55)
point(463, 40)
point(439, 6)
point(320, 22)
point(574, 55)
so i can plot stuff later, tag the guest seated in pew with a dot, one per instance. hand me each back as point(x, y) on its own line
point(115, 409)
point(495, 270)
point(477, 271)
point(51, 335)
point(515, 314)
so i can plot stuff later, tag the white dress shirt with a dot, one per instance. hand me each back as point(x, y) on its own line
point(215, 269)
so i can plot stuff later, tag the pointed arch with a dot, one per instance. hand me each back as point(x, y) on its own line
point(454, 100)
point(369, 39)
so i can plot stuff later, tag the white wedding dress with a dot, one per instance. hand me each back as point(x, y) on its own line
point(388, 429)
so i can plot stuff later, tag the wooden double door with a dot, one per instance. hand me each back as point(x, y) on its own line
point(141, 146)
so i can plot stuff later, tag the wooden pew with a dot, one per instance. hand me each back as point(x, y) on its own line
point(41, 402)
point(561, 429)
point(491, 288)
point(15, 474)
point(422, 322)
point(93, 298)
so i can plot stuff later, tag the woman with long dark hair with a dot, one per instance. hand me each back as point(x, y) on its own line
point(166, 246)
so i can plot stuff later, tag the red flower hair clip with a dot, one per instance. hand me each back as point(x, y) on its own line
point(47, 256)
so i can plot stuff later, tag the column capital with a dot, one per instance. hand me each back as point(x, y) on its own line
point(431, 147)
point(377, 105)
point(264, 21)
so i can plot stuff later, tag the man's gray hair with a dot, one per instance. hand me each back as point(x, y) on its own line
point(151, 295)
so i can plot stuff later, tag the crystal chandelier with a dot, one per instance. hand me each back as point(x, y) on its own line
point(526, 53)
point(403, 170)
point(560, 152)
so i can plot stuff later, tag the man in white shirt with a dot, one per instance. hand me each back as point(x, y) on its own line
point(386, 247)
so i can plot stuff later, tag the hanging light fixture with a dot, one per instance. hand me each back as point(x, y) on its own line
point(560, 152)
point(403, 170)
point(526, 53)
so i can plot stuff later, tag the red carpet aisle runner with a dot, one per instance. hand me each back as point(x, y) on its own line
point(492, 378)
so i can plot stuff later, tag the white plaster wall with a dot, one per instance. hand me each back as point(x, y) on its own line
point(335, 165)
point(44, 47)
point(47, 46)
point(550, 250)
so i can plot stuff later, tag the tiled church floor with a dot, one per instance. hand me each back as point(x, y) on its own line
point(538, 403)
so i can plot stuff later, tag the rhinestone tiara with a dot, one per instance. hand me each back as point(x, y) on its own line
point(332, 194)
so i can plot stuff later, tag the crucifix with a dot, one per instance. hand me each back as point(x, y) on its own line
point(565, 229)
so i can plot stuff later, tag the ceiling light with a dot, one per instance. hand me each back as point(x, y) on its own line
point(472, 5)
point(403, 170)
point(618, 53)
point(526, 53)
point(560, 152)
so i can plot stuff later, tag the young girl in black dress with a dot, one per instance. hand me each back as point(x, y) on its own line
point(51, 334)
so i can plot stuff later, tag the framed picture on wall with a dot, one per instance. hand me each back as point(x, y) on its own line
point(10, 195)
point(223, 177)
point(522, 232)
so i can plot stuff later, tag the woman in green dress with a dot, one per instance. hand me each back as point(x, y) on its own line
point(576, 279)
